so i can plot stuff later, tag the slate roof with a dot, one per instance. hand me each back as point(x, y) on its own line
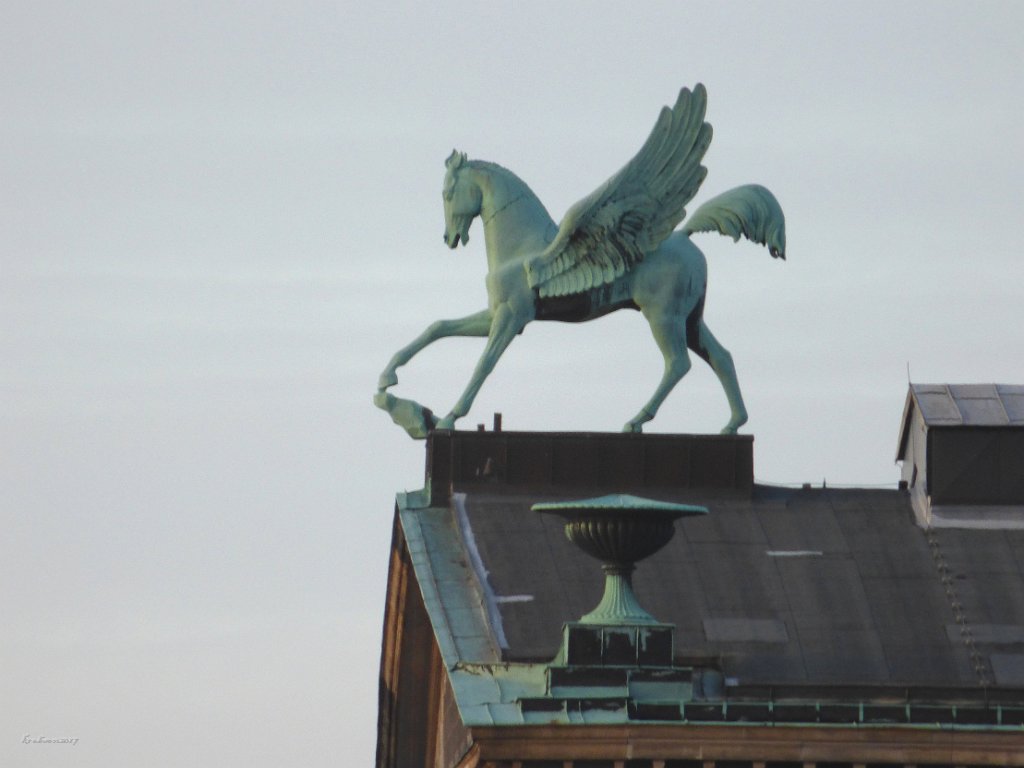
point(829, 590)
point(821, 587)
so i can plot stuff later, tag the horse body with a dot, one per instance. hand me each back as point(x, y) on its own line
point(668, 287)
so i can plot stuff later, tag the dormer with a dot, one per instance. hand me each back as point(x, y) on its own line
point(962, 450)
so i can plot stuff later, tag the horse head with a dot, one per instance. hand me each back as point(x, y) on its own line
point(462, 200)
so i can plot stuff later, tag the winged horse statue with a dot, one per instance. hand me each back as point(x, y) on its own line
point(615, 249)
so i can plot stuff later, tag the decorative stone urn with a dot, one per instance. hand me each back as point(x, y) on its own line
point(619, 530)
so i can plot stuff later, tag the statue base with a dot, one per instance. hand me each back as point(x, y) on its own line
point(612, 462)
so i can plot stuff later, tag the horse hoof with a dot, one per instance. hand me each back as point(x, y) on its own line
point(734, 425)
point(633, 428)
point(387, 379)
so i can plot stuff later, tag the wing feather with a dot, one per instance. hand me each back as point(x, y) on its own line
point(609, 231)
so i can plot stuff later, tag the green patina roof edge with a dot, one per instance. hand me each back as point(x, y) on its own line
point(477, 684)
point(443, 565)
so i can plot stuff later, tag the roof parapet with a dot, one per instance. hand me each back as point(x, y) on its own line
point(601, 461)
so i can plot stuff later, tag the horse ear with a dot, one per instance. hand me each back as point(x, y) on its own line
point(455, 160)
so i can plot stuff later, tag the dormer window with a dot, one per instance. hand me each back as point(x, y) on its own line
point(962, 448)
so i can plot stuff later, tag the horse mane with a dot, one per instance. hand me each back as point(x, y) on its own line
point(512, 182)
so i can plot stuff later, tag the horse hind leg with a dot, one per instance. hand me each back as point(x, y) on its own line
point(703, 342)
point(669, 333)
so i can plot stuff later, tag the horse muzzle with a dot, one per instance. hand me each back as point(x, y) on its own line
point(460, 235)
point(456, 228)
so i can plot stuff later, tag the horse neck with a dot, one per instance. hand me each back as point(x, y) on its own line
point(516, 224)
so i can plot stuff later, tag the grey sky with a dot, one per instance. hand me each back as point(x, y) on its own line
point(217, 223)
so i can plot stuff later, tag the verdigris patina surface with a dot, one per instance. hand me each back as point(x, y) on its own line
point(616, 248)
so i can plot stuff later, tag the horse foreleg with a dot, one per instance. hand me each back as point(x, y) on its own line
point(504, 327)
point(472, 325)
point(670, 334)
point(720, 360)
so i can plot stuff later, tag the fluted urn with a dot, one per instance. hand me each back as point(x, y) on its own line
point(619, 530)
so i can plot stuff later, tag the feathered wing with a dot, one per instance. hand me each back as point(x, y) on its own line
point(751, 211)
point(606, 233)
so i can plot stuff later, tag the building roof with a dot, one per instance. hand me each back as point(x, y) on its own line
point(818, 589)
point(821, 587)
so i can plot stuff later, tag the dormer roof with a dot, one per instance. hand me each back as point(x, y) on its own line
point(966, 405)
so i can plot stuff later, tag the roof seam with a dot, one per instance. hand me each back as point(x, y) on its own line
point(1002, 405)
point(956, 405)
point(959, 614)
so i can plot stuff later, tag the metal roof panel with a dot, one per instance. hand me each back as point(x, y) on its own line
point(983, 412)
point(938, 408)
point(1014, 405)
point(973, 391)
point(975, 405)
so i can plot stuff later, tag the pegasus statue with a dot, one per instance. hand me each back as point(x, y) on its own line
point(617, 248)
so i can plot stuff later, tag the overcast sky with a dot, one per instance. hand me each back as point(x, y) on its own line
point(218, 220)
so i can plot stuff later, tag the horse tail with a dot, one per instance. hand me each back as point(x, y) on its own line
point(751, 211)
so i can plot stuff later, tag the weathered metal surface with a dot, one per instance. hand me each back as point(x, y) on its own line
point(449, 587)
point(619, 530)
point(615, 248)
point(624, 502)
